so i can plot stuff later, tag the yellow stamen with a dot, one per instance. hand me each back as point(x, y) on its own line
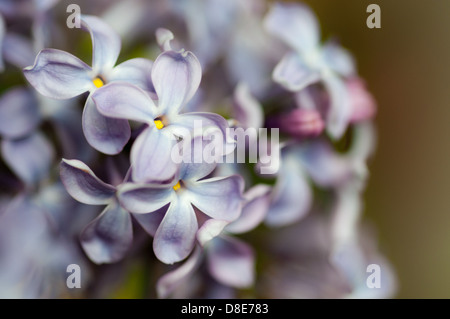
point(177, 186)
point(98, 82)
point(159, 124)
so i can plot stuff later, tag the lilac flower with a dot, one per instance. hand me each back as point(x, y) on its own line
point(309, 62)
point(218, 197)
point(229, 260)
point(176, 77)
point(2, 35)
point(60, 75)
point(109, 236)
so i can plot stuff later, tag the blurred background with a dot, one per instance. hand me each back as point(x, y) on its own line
point(406, 64)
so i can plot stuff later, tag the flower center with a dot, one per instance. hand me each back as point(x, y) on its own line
point(177, 186)
point(159, 124)
point(98, 82)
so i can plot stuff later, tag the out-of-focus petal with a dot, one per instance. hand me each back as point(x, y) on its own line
point(176, 77)
point(108, 237)
point(125, 101)
point(163, 37)
point(2, 36)
point(294, 74)
point(144, 198)
point(218, 197)
point(175, 237)
point(106, 43)
point(254, 210)
point(29, 158)
point(292, 196)
point(339, 112)
point(247, 110)
point(210, 229)
point(231, 262)
point(338, 59)
point(363, 104)
point(18, 50)
point(59, 75)
point(19, 113)
point(105, 134)
point(295, 24)
point(150, 222)
point(171, 280)
point(82, 184)
point(135, 71)
point(151, 156)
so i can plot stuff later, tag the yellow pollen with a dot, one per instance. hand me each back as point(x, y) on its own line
point(159, 124)
point(98, 82)
point(177, 186)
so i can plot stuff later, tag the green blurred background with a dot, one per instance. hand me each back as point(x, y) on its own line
point(406, 64)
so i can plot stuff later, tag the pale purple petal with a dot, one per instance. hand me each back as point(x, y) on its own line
point(59, 75)
point(18, 50)
point(163, 37)
point(231, 262)
point(108, 237)
point(294, 74)
point(125, 101)
point(175, 237)
point(83, 185)
point(292, 195)
point(295, 24)
point(144, 198)
point(254, 210)
point(169, 282)
point(210, 229)
point(135, 71)
point(247, 110)
point(338, 59)
point(339, 112)
point(150, 222)
point(176, 77)
point(19, 113)
point(219, 197)
point(151, 156)
point(325, 166)
point(29, 158)
point(2, 35)
point(105, 134)
point(106, 43)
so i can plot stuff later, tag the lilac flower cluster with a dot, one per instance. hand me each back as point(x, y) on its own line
point(89, 175)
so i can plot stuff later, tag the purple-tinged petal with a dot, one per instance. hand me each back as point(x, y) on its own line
point(151, 156)
point(294, 74)
point(295, 24)
point(324, 165)
point(362, 103)
point(18, 50)
point(108, 237)
point(105, 134)
point(210, 230)
point(175, 237)
point(82, 184)
point(339, 112)
point(247, 110)
point(144, 198)
point(231, 262)
point(19, 113)
point(301, 123)
point(135, 71)
point(29, 158)
point(176, 77)
point(2, 35)
point(59, 75)
point(151, 221)
point(169, 282)
point(125, 101)
point(292, 196)
point(254, 210)
point(218, 197)
point(338, 59)
point(106, 43)
point(163, 37)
